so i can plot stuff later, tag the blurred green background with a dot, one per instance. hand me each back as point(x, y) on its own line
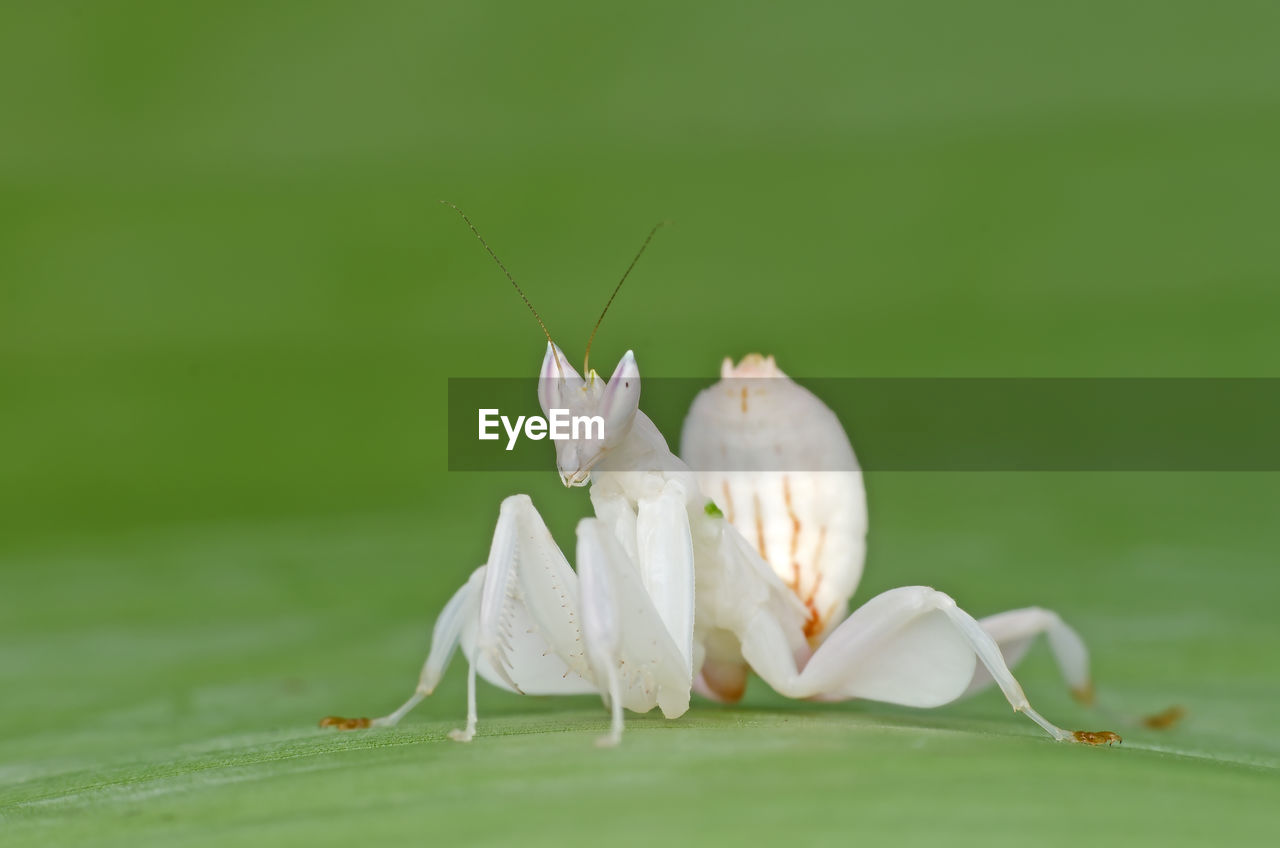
point(229, 304)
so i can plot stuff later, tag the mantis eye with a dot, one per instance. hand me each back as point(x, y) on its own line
point(621, 396)
point(558, 382)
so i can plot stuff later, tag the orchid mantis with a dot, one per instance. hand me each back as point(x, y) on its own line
point(686, 580)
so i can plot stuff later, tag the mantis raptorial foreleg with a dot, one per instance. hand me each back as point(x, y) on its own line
point(528, 623)
point(638, 662)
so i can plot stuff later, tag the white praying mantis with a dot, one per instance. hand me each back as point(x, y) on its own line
point(686, 580)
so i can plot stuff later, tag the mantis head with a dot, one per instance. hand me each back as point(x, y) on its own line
point(597, 413)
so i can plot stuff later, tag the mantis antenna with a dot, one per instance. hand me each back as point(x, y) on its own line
point(586, 357)
point(495, 258)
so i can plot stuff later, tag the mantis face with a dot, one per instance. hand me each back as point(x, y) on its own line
point(598, 413)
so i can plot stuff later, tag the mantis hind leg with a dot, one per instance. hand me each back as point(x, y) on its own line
point(1016, 630)
point(911, 646)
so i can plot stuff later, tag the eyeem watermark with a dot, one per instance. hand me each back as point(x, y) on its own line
point(934, 424)
point(560, 426)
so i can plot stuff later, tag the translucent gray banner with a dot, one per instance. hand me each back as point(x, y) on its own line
point(942, 424)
